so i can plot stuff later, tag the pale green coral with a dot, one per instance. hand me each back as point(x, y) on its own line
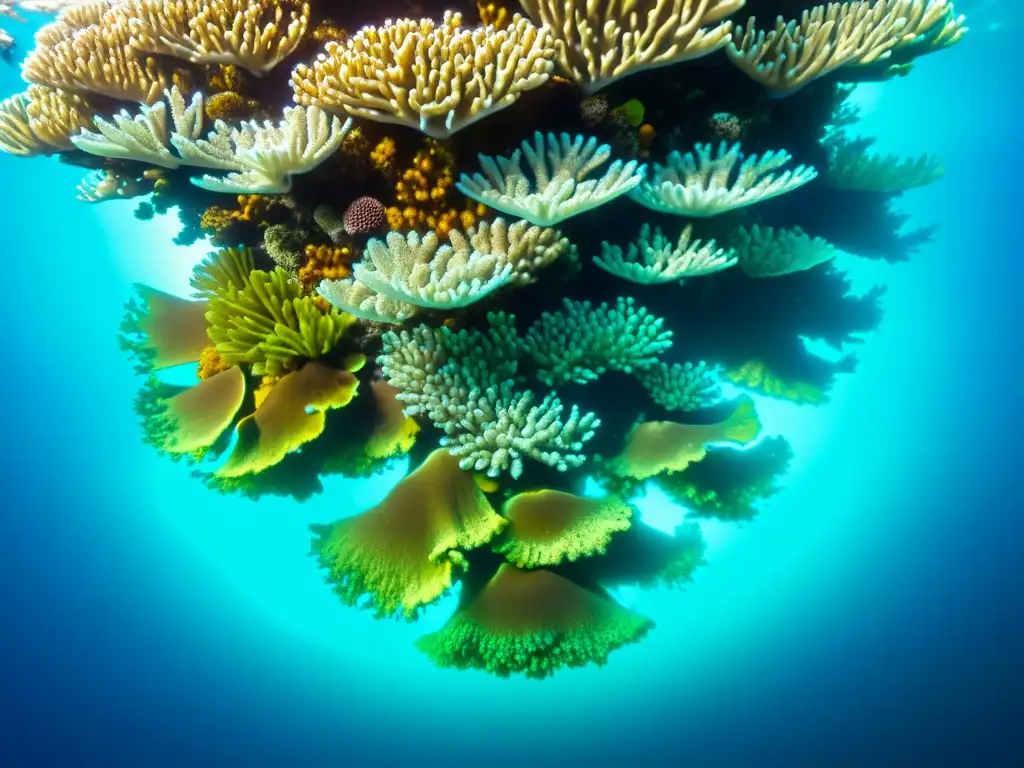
point(583, 341)
point(465, 382)
point(682, 387)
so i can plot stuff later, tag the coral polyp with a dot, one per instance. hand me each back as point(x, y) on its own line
point(522, 251)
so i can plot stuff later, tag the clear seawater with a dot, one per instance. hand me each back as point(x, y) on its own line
point(870, 615)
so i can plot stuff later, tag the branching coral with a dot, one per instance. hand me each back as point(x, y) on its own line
point(534, 622)
point(559, 165)
point(832, 36)
point(435, 77)
point(685, 387)
point(652, 260)
point(464, 382)
point(263, 157)
point(768, 252)
point(98, 58)
point(145, 137)
point(401, 274)
point(422, 272)
point(702, 184)
point(41, 120)
point(583, 341)
point(402, 554)
point(262, 318)
point(868, 172)
point(599, 43)
point(546, 527)
point(250, 34)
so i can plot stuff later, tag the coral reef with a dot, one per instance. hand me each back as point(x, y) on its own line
point(401, 205)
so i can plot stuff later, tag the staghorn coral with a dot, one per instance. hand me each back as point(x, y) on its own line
point(253, 35)
point(402, 554)
point(435, 77)
point(546, 527)
point(262, 318)
point(597, 44)
point(559, 165)
point(534, 622)
point(768, 252)
point(685, 387)
point(654, 447)
point(652, 260)
point(583, 341)
point(704, 185)
point(464, 382)
point(836, 35)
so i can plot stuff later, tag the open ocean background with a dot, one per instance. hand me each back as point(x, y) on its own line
point(873, 614)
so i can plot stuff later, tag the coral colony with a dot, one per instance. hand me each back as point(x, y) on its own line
point(519, 302)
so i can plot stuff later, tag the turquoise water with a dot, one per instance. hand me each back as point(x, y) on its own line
point(869, 615)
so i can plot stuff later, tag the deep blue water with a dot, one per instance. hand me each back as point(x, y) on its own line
point(871, 615)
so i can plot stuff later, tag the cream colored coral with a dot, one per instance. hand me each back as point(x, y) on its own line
point(145, 137)
point(768, 252)
point(359, 300)
point(98, 59)
point(422, 271)
point(840, 34)
point(653, 260)
point(435, 77)
point(41, 121)
point(263, 157)
point(598, 43)
point(253, 34)
point(74, 17)
point(100, 186)
point(704, 184)
point(526, 247)
point(558, 189)
point(16, 138)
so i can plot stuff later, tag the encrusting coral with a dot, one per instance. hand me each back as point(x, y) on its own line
point(400, 281)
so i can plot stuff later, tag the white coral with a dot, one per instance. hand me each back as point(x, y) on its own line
point(263, 157)
point(558, 188)
point(145, 137)
point(654, 260)
point(703, 184)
